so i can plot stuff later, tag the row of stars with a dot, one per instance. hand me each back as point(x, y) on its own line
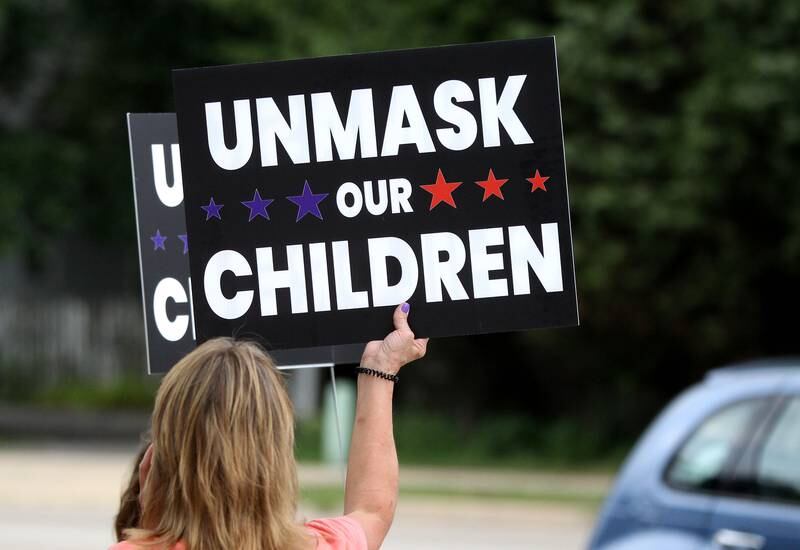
point(441, 192)
point(159, 241)
point(308, 201)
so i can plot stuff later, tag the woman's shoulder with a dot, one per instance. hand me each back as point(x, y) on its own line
point(125, 545)
point(342, 533)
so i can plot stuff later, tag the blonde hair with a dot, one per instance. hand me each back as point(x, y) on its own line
point(223, 473)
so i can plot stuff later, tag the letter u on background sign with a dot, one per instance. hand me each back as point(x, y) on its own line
point(161, 229)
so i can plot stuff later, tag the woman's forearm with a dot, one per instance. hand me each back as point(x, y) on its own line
point(370, 493)
point(372, 471)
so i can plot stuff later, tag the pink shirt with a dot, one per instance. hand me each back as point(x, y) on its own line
point(340, 533)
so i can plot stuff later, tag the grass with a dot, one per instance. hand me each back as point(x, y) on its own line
point(323, 498)
point(507, 441)
point(332, 498)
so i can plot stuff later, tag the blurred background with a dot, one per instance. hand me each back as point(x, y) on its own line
point(682, 128)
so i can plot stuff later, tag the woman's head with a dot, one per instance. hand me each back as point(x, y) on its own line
point(223, 471)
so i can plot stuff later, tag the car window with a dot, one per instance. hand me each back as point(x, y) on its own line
point(778, 469)
point(699, 464)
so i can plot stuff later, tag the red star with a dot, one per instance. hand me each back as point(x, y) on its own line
point(538, 181)
point(441, 191)
point(491, 186)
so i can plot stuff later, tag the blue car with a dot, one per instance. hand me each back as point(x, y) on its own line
point(718, 469)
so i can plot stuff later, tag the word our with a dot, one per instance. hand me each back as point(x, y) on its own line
point(376, 198)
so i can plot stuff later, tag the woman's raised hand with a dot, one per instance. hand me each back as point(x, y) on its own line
point(398, 348)
point(370, 494)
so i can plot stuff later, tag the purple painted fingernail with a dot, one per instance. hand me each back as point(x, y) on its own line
point(405, 308)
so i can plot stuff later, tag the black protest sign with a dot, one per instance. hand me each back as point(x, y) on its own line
point(323, 192)
point(164, 247)
point(163, 244)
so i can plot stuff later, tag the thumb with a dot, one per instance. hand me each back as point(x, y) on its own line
point(400, 317)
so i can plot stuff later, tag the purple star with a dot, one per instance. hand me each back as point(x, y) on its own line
point(212, 210)
point(158, 240)
point(258, 206)
point(308, 203)
point(185, 240)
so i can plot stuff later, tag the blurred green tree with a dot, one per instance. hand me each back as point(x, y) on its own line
point(683, 137)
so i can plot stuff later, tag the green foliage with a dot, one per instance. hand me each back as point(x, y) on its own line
point(129, 393)
point(510, 441)
point(514, 441)
point(682, 129)
point(125, 393)
point(16, 384)
point(308, 440)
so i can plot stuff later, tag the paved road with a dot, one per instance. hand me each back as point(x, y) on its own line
point(63, 498)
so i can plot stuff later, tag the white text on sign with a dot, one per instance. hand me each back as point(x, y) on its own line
point(439, 275)
point(359, 126)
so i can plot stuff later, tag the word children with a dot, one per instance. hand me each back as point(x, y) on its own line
point(440, 275)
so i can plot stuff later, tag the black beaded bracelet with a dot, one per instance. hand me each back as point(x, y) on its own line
point(380, 374)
